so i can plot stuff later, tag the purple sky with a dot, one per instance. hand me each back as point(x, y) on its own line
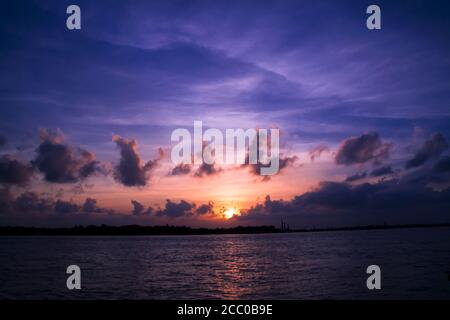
point(365, 113)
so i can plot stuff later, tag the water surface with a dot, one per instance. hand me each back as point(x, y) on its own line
point(325, 265)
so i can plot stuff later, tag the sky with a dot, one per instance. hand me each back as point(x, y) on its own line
point(86, 115)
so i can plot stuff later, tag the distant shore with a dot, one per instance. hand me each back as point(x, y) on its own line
point(137, 230)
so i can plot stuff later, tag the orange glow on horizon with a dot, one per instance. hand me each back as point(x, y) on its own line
point(230, 213)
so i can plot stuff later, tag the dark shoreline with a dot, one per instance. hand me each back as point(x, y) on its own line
point(136, 230)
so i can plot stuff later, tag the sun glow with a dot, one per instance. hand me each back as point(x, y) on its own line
point(230, 212)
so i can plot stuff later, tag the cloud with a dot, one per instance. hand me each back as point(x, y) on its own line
point(383, 171)
point(3, 141)
point(175, 210)
point(62, 206)
point(81, 188)
point(205, 170)
point(336, 195)
point(90, 205)
point(356, 177)
point(364, 148)
point(431, 148)
point(286, 162)
point(14, 172)
point(93, 167)
point(255, 169)
point(206, 208)
point(403, 200)
point(181, 169)
point(317, 152)
point(138, 208)
point(6, 199)
point(31, 202)
point(443, 165)
point(428, 176)
point(131, 170)
point(61, 163)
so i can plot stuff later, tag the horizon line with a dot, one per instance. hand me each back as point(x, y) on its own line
point(140, 230)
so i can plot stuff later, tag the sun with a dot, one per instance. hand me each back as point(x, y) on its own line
point(230, 212)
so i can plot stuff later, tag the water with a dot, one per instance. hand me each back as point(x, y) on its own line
point(328, 265)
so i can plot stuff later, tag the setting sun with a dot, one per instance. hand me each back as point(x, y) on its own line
point(229, 213)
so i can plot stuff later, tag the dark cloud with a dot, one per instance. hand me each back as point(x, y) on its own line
point(431, 148)
point(405, 200)
point(443, 165)
point(255, 169)
point(31, 202)
point(367, 147)
point(206, 208)
point(92, 167)
point(62, 206)
point(14, 172)
point(6, 199)
point(131, 170)
point(175, 210)
point(205, 170)
point(3, 141)
point(181, 169)
point(90, 205)
point(317, 152)
point(336, 195)
point(356, 177)
point(61, 163)
point(427, 176)
point(382, 171)
point(42, 208)
point(138, 208)
point(286, 162)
